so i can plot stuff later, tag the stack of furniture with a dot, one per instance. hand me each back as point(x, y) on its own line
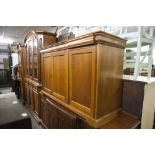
point(75, 83)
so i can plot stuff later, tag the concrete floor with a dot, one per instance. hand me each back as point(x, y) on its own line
point(5, 90)
point(11, 97)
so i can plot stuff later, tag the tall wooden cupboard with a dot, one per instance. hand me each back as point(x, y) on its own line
point(83, 76)
point(34, 41)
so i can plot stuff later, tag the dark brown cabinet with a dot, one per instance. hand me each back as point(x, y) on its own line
point(54, 117)
point(133, 95)
point(66, 120)
point(34, 41)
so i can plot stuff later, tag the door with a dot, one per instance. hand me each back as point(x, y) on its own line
point(27, 93)
point(47, 72)
point(31, 97)
point(53, 115)
point(66, 120)
point(36, 100)
point(82, 68)
point(55, 74)
point(45, 113)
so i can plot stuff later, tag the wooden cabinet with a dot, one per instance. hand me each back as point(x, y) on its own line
point(85, 76)
point(138, 99)
point(54, 117)
point(133, 95)
point(34, 41)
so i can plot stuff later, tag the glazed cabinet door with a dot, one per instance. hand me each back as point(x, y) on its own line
point(82, 68)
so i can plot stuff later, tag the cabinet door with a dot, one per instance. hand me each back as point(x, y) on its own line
point(45, 113)
point(82, 68)
point(53, 115)
point(30, 57)
point(47, 72)
point(60, 75)
point(27, 93)
point(36, 101)
point(31, 97)
point(66, 120)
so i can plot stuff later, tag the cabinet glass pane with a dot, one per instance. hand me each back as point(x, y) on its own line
point(27, 59)
point(35, 57)
point(30, 57)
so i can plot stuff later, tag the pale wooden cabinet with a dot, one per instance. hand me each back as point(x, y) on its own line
point(85, 76)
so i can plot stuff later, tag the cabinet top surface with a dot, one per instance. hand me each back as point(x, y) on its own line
point(31, 33)
point(87, 39)
point(142, 79)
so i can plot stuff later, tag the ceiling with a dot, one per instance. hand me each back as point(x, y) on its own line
point(17, 33)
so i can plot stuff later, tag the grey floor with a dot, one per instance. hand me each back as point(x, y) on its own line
point(9, 96)
point(5, 90)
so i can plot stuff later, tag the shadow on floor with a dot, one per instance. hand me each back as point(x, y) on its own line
point(12, 99)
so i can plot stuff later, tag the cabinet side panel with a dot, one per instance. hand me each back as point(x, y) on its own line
point(109, 79)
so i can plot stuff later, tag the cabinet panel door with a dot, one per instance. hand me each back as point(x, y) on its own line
point(53, 116)
point(66, 120)
point(60, 75)
point(82, 66)
point(27, 93)
point(47, 72)
point(45, 113)
point(36, 101)
point(31, 96)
